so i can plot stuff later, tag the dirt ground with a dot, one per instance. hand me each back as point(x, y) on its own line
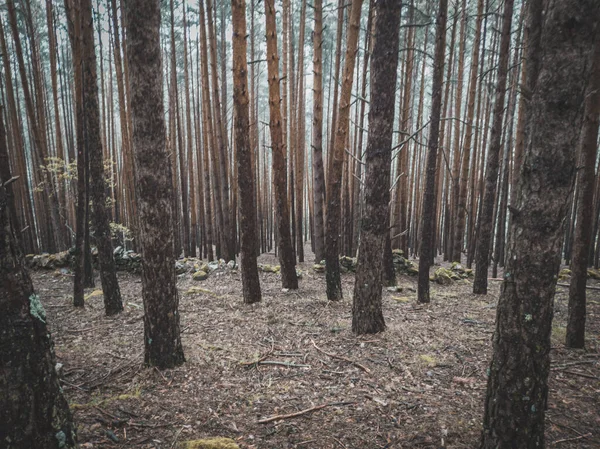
point(420, 384)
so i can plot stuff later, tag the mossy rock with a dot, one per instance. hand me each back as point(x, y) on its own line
point(269, 268)
point(564, 274)
point(200, 275)
point(443, 276)
point(412, 270)
point(401, 299)
point(318, 268)
point(593, 273)
point(209, 443)
point(204, 267)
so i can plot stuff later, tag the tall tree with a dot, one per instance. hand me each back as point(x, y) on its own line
point(162, 340)
point(289, 278)
point(426, 244)
point(248, 247)
point(93, 143)
point(588, 148)
point(367, 317)
point(33, 410)
point(517, 390)
point(491, 175)
point(334, 181)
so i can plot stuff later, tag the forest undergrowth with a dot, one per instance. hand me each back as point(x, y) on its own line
point(419, 384)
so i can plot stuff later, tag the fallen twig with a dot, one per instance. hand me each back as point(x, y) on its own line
point(276, 362)
point(588, 376)
point(564, 440)
point(264, 357)
point(302, 412)
point(339, 357)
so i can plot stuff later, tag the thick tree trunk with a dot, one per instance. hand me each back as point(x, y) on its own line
point(588, 149)
point(517, 389)
point(33, 410)
point(93, 141)
point(428, 221)
point(289, 278)
point(484, 240)
point(162, 340)
point(250, 281)
point(367, 316)
point(334, 188)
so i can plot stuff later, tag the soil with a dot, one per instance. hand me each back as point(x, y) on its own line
point(419, 384)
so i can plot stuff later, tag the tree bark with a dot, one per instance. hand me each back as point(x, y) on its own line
point(367, 316)
point(162, 340)
point(428, 221)
point(517, 390)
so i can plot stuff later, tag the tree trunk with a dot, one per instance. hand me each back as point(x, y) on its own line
point(367, 316)
point(517, 389)
point(334, 189)
point(33, 410)
point(491, 177)
point(428, 221)
point(588, 148)
point(250, 281)
point(289, 278)
point(162, 340)
point(93, 142)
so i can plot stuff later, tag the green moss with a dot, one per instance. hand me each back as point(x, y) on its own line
point(428, 360)
point(36, 309)
point(402, 299)
point(209, 443)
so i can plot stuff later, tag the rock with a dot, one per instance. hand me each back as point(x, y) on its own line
point(593, 273)
point(402, 299)
point(443, 276)
point(564, 274)
point(209, 443)
point(200, 275)
point(231, 264)
point(319, 268)
point(349, 263)
point(269, 268)
point(394, 289)
point(212, 266)
point(118, 251)
point(204, 267)
point(180, 267)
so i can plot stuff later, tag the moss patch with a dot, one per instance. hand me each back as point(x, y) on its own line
point(209, 443)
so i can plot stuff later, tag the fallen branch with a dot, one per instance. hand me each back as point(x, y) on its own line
point(564, 440)
point(276, 362)
point(302, 412)
point(339, 357)
point(264, 357)
point(588, 376)
point(588, 287)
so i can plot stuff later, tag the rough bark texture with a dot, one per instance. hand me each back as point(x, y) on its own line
point(426, 244)
point(289, 278)
point(588, 148)
point(491, 176)
point(154, 195)
point(250, 281)
point(93, 141)
point(517, 389)
point(367, 316)
point(317, 134)
point(334, 187)
point(33, 411)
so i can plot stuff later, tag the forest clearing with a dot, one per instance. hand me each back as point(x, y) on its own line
point(423, 386)
point(299, 224)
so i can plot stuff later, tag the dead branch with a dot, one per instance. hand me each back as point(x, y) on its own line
point(564, 440)
point(339, 357)
point(302, 412)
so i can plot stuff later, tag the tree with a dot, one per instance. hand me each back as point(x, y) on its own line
point(289, 278)
point(162, 340)
point(367, 317)
point(588, 148)
point(33, 410)
point(93, 143)
point(334, 187)
point(517, 390)
point(426, 245)
point(248, 248)
point(491, 175)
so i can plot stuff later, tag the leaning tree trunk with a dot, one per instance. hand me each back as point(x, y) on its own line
point(588, 148)
point(33, 410)
point(334, 188)
point(289, 278)
point(93, 141)
point(367, 316)
point(517, 390)
point(154, 194)
point(426, 245)
point(248, 248)
point(491, 176)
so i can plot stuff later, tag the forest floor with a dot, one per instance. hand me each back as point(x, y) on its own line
point(419, 384)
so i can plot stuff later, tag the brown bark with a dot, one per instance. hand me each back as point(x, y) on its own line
point(588, 149)
point(162, 340)
point(426, 245)
point(517, 391)
point(367, 316)
point(334, 187)
point(33, 410)
point(289, 278)
point(247, 209)
point(484, 240)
